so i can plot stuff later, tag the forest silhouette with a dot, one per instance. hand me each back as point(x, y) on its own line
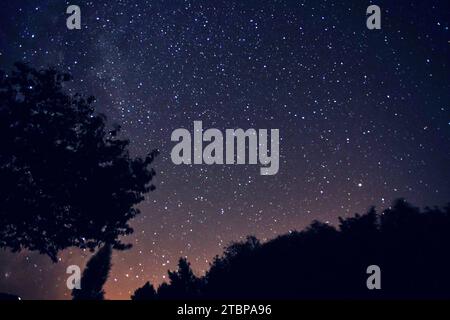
point(324, 262)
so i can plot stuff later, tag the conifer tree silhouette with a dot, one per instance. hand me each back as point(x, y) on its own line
point(183, 283)
point(94, 276)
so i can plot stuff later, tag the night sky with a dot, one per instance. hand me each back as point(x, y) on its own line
point(364, 115)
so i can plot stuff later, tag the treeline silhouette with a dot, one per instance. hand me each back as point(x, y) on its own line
point(411, 247)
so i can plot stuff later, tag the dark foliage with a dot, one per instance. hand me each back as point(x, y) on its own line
point(147, 292)
point(409, 245)
point(183, 283)
point(94, 276)
point(65, 180)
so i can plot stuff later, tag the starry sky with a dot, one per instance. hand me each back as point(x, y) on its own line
point(364, 115)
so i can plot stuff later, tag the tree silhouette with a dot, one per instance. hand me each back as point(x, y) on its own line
point(94, 276)
point(65, 180)
point(147, 292)
point(325, 262)
point(183, 283)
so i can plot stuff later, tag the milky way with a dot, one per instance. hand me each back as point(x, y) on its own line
point(364, 115)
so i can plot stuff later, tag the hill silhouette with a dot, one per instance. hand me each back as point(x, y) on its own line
point(324, 262)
